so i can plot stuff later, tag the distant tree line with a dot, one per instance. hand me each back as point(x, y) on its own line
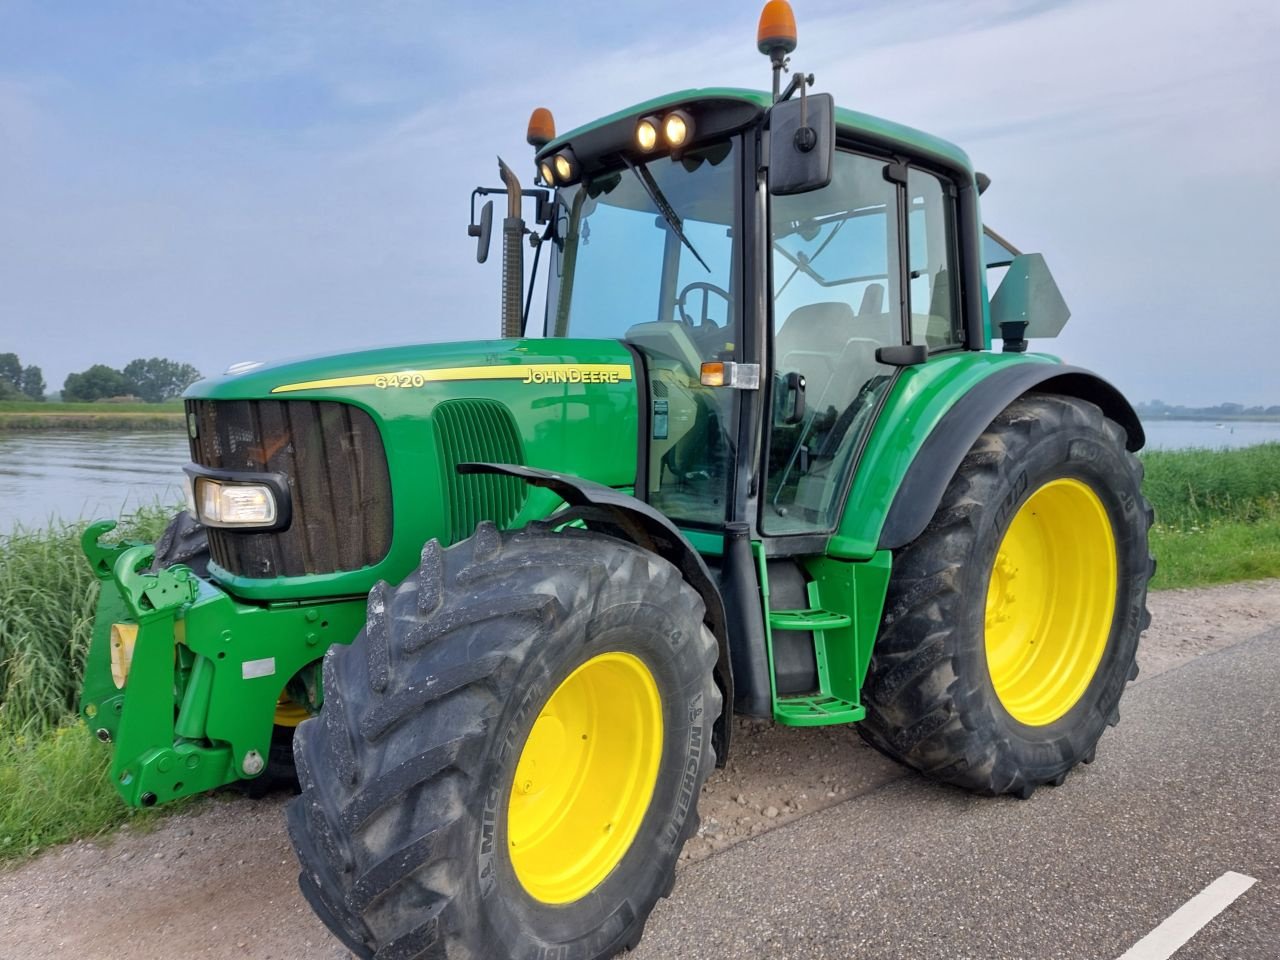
point(153, 379)
point(1158, 408)
point(18, 382)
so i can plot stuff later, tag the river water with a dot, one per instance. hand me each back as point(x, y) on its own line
point(85, 475)
point(67, 475)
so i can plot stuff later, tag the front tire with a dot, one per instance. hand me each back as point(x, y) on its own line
point(508, 759)
point(1011, 624)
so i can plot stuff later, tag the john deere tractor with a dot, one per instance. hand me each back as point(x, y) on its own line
point(499, 601)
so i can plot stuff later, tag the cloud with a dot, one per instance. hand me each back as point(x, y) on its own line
point(297, 177)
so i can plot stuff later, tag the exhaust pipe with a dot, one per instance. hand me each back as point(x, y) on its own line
point(512, 257)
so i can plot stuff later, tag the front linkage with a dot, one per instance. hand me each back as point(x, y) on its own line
point(184, 680)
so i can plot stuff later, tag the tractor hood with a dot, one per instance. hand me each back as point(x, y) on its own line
point(366, 447)
point(349, 376)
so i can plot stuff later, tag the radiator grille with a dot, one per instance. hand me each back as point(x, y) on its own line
point(477, 430)
point(333, 458)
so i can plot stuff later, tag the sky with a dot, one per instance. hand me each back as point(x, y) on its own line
point(226, 181)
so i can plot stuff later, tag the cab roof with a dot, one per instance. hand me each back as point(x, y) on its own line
point(859, 126)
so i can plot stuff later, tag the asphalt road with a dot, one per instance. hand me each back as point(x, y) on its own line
point(862, 860)
point(1183, 790)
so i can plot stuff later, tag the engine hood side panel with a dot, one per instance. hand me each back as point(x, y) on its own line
point(573, 404)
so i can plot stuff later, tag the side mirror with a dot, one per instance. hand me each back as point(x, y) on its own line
point(802, 143)
point(482, 231)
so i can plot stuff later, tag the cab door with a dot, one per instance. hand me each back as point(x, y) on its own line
point(838, 295)
point(868, 261)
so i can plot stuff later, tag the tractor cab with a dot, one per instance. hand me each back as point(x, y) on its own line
point(775, 263)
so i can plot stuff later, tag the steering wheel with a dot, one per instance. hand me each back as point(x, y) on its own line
point(708, 289)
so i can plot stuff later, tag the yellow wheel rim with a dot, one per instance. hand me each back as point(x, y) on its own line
point(1050, 601)
point(290, 713)
point(585, 777)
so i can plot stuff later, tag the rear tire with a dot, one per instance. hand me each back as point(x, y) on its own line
point(957, 687)
point(408, 774)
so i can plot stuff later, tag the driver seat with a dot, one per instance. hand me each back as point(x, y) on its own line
point(832, 347)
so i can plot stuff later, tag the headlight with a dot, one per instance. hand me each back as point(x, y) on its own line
point(548, 176)
point(565, 167)
point(677, 128)
point(647, 133)
point(223, 504)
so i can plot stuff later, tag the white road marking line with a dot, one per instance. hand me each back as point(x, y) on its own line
point(1185, 922)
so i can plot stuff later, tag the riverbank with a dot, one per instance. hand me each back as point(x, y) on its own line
point(25, 416)
point(1218, 520)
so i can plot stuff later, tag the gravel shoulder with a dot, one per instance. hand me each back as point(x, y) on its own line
point(220, 881)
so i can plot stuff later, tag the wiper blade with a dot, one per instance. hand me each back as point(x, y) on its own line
point(664, 207)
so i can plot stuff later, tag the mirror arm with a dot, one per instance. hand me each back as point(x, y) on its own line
point(796, 81)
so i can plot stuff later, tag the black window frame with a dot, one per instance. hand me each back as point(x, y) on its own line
point(959, 301)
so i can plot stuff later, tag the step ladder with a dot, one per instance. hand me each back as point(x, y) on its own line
point(823, 707)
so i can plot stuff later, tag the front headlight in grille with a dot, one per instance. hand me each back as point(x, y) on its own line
point(240, 500)
point(222, 504)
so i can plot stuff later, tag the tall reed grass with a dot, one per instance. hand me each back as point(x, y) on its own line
point(47, 599)
point(1192, 488)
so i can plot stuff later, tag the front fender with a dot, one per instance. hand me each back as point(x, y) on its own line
point(617, 514)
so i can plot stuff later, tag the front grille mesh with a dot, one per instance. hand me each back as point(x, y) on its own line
point(483, 431)
point(331, 454)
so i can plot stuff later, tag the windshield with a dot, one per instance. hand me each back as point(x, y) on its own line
point(618, 262)
point(648, 254)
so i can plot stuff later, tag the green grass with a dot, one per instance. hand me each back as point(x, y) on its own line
point(53, 774)
point(35, 406)
point(55, 787)
point(1220, 552)
point(1217, 514)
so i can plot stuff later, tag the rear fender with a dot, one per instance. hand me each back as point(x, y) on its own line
point(944, 405)
point(921, 490)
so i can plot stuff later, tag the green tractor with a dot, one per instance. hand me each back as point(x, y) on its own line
point(762, 461)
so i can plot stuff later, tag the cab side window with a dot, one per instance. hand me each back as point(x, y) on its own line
point(935, 311)
point(836, 298)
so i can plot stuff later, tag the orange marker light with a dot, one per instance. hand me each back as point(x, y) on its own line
point(542, 128)
point(777, 28)
point(712, 374)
